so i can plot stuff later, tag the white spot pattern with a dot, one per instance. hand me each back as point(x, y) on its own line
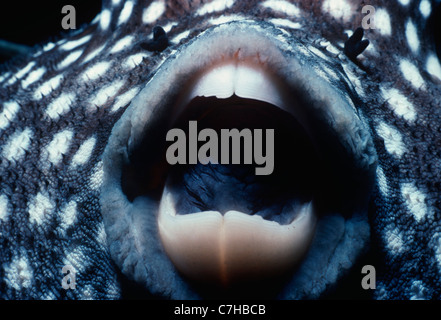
point(393, 141)
point(8, 114)
point(4, 76)
point(21, 73)
point(60, 105)
point(382, 22)
point(214, 6)
point(87, 293)
point(412, 36)
point(17, 144)
point(282, 6)
point(122, 44)
point(286, 23)
point(18, 273)
point(425, 8)
point(134, 60)
point(105, 19)
point(415, 200)
point(77, 259)
point(106, 93)
point(101, 235)
point(75, 43)
point(96, 19)
point(48, 46)
point(40, 208)
point(34, 76)
point(47, 87)
point(394, 241)
point(48, 296)
point(71, 58)
point(93, 54)
point(399, 104)
point(126, 12)
point(153, 12)
point(96, 71)
point(411, 73)
point(382, 181)
point(224, 19)
point(167, 28)
point(418, 290)
point(4, 211)
point(96, 177)
point(58, 146)
point(180, 36)
point(339, 9)
point(433, 66)
point(83, 154)
point(69, 215)
point(124, 99)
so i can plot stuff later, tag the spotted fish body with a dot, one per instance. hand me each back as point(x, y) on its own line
point(60, 104)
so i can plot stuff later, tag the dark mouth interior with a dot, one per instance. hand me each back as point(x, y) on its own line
point(224, 187)
point(305, 168)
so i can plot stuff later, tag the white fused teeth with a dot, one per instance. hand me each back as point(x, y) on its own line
point(242, 79)
point(212, 248)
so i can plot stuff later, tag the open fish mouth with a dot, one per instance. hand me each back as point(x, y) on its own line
point(206, 221)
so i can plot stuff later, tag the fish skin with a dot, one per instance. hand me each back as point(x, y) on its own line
point(59, 105)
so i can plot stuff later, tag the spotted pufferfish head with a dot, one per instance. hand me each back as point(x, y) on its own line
point(343, 132)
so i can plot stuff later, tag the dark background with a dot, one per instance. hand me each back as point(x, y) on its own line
point(35, 22)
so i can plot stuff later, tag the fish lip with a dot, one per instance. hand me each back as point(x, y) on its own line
point(160, 93)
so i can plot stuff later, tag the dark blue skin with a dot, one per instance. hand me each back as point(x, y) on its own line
point(50, 213)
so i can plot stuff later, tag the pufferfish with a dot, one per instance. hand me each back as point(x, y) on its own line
point(86, 186)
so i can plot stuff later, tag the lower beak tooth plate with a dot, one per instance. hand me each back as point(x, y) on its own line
point(211, 248)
